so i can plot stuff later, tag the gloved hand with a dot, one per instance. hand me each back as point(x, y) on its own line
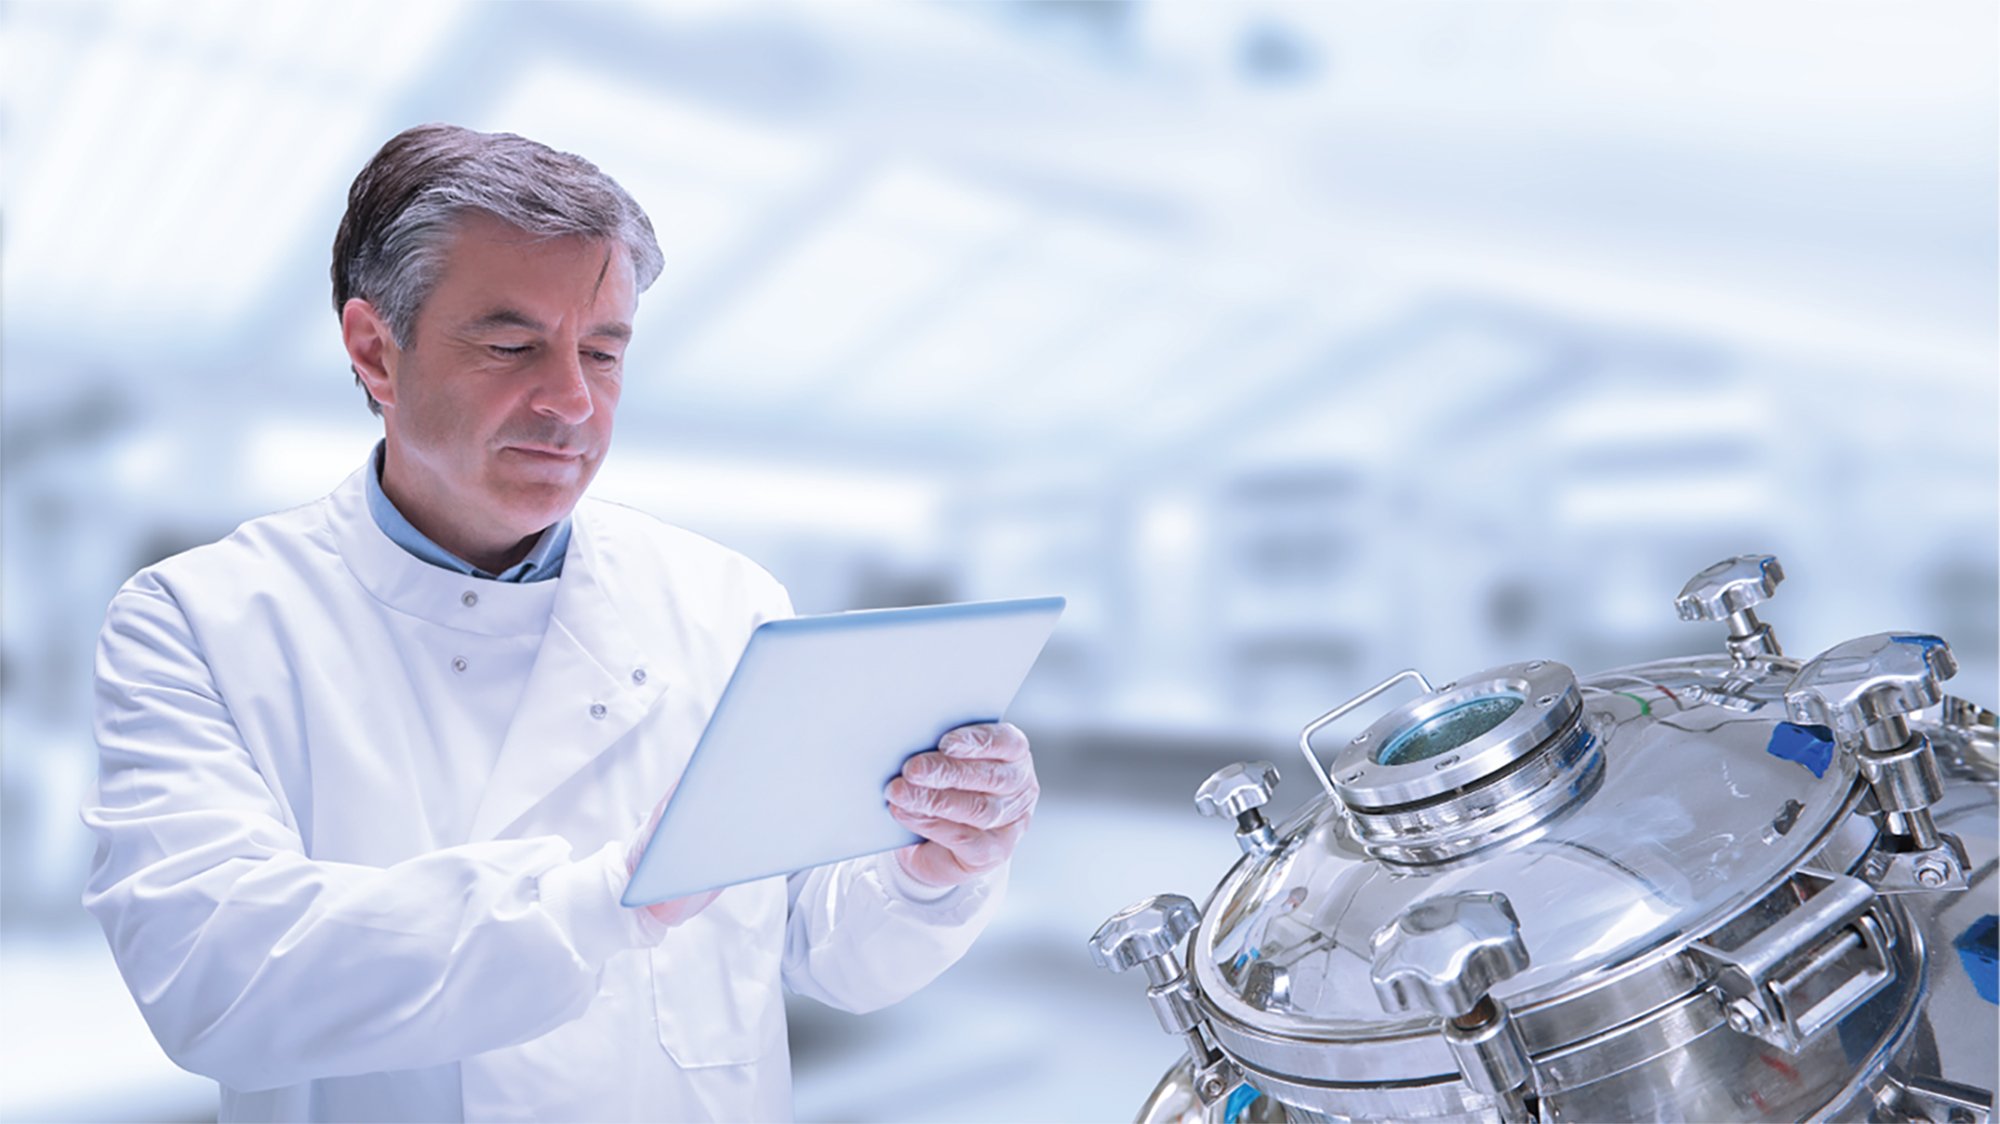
point(673, 911)
point(970, 799)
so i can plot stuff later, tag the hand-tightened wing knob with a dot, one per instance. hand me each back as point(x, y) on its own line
point(1146, 930)
point(1864, 681)
point(1235, 789)
point(1445, 953)
point(1729, 587)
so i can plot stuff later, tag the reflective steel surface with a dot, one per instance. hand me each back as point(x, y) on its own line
point(1703, 915)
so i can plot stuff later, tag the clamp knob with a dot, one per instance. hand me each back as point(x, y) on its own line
point(1865, 690)
point(1236, 789)
point(1729, 591)
point(1239, 790)
point(1147, 934)
point(1730, 586)
point(1144, 932)
point(1444, 954)
point(1864, 687)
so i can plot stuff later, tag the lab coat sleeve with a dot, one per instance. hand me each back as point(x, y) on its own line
point(862, 934)
point(261, 967)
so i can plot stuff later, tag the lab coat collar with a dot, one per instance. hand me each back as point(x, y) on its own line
point(416, 588)
point(591, 683)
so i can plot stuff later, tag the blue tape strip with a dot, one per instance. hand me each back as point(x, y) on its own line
point(1811, 746)
point(1979, 951)
point(1242, 1098)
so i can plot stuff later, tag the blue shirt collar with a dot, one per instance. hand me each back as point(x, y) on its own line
point(543, 562)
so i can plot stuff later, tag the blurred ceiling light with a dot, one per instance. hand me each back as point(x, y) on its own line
point(840, 287)
point(1695, 299)
point(1418, 378)
point(707, 179)
point(1045, 295)
point(1799, 74)
point(1275, 355)
point(1237, 367)
point(930, 203)
point(973, 347)
point(1134, 357)
point(184, 149)
point(1657, 416)
point(712, 493)
point(896, 245)
point(1686, 494)
point(627, 127)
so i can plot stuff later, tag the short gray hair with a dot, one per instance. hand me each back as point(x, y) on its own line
point(405, 205)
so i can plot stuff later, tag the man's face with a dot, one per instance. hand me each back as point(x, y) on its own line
point(501, 408)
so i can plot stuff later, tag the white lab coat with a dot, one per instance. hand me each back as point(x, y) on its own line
point(271, 874)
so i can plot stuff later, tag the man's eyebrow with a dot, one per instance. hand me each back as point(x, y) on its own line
point(510, 318)
point(506, 318)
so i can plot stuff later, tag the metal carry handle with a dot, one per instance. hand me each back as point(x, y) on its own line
point(1791, 978)
point(1314, 727)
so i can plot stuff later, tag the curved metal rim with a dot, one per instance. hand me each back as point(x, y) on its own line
point(1527, 798)
point(1660, 1032)
point(1552, 699)
point(1399, 1052)
point(1611, 994)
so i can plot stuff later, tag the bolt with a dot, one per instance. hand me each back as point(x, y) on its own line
point(1446, 763)
point(1744, 1017)
point(1211, 1087)
point(1930, 873)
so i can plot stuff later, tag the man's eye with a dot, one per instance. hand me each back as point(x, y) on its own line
point(508, 351)
point(602, 357)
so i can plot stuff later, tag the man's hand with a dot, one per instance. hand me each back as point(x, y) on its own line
point(971, 799)
point(673, 911)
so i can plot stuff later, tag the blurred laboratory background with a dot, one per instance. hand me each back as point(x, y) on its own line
point(1293, 343)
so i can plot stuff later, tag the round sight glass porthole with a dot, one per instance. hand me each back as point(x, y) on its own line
point(1449, 729)
point(1459, 737)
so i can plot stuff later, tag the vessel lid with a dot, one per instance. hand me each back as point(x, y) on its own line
point(1670, 796)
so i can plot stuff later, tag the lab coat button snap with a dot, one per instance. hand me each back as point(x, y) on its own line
point(458, 663)
point(468, 599)
point(597, 710)
point(638, 677)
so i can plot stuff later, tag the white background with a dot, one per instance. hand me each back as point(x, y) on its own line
point(1294, 343)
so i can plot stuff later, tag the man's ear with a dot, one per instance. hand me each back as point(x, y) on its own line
point(371, 349)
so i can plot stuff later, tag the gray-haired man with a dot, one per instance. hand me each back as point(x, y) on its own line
point(371, 769)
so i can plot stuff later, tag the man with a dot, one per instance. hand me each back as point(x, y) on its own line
point(373, 771)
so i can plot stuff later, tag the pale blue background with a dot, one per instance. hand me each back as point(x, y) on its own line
point(1293, 343)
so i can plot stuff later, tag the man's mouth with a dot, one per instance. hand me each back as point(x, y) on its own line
point(546, 452)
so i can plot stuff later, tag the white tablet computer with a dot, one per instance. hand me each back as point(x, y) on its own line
point(818, 717)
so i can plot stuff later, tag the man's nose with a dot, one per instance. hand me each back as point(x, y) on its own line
point(564, 393)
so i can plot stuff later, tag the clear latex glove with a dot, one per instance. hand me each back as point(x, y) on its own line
point(971, 800)
point(673, 911)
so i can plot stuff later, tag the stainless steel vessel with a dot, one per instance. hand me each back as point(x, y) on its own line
point(1740, 887)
